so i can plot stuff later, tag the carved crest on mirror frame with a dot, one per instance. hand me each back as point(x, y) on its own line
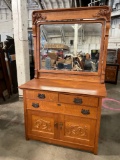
point(103, 13)
point(38, 17)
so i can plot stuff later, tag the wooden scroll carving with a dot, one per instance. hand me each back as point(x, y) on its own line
point(38, 17)
point(103, 13)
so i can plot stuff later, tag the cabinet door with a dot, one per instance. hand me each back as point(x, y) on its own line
point(77, 130)
point(42, 124)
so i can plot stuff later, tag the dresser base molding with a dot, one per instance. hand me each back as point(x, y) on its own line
point(62, 143)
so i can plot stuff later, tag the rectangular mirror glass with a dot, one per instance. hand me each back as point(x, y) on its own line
point(70, 47)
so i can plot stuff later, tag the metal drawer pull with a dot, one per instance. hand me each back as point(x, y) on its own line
point(41, 96)
point(86, 112)
point(77, 101)
point(35, 105)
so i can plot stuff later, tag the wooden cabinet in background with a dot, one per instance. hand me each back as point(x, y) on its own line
point(118, 57)
point(111, 73)
point(4, 77)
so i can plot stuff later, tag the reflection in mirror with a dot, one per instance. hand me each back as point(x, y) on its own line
point(73, 47)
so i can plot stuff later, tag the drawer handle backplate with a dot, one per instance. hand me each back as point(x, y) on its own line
point(86, 112)
point(41, 96)
point(56, 124)
point(77, 101)
point(61, 125)
point(35, 105)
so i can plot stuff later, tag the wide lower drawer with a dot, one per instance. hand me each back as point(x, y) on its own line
point(78, 99)
point(82, 111)
point(42, 95)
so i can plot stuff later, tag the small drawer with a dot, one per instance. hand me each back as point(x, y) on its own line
point(42, 95)
point(82, 111)
point(45, 106)
point(78, 100)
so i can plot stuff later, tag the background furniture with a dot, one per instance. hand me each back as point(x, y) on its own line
point(9, 50)
point(111, 73)
point(4, 78)
point(64, 107)
point(118, 57)
point(112, 67)
point(1, 44)
point(111, 56)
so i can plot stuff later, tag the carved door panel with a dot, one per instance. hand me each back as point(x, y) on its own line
point(77, 130)
point(42, 124)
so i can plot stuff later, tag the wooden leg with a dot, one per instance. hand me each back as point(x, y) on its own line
point(95, 150)
point(27, 138)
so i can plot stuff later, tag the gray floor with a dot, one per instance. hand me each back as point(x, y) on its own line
point(13, 145)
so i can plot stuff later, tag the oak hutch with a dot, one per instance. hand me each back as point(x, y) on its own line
point(62, 104)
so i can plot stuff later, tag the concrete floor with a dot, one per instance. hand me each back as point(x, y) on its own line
point(13, 145)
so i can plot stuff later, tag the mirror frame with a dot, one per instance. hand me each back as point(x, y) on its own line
point(71, 16)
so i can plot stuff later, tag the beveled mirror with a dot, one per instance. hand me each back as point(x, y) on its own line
point(70, 47)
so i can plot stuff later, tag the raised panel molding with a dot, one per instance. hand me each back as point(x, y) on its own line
point(76, 130)
point(41, 124)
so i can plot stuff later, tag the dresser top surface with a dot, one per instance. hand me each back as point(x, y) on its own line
point(75, 87)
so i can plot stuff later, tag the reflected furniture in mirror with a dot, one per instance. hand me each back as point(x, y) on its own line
point(62, 104)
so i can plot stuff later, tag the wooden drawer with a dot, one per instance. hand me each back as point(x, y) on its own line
point(78, 99)
point(82, 111)
point(44, 106)
point(42, 95)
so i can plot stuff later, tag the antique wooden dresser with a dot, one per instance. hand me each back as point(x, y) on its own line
point(62, 104)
